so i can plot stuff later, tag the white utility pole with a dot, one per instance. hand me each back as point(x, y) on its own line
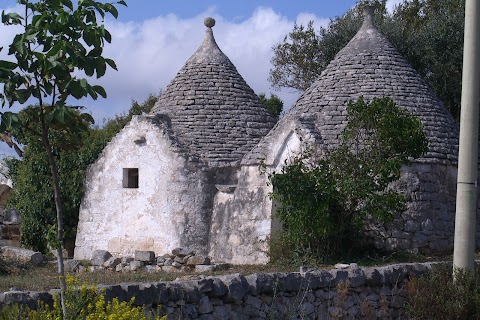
point(465, 217)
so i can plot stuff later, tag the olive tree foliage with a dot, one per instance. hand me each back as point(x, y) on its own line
point(428, 33)
point(324, 199)
point(59, 40)
point(73, 153)
point(273, 104)
point(305, 52)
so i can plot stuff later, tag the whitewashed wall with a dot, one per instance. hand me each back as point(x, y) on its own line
point(160, 215)
point(243, 219)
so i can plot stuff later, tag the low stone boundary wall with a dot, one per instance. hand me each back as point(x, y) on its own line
point(348, 293)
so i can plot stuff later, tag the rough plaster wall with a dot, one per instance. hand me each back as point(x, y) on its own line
point(163, 213)
point(242, 219)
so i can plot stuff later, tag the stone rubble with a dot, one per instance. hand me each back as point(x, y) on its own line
point(180, 260)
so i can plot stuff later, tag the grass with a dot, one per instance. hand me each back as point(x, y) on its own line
point(44, 277)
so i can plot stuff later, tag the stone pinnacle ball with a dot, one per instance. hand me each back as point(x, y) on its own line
point(209, 22)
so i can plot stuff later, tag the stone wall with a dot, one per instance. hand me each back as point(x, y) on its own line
point(428, 221)
point(352, 292)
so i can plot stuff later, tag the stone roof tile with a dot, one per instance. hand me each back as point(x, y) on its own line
point(371, 67)
point(210, 104)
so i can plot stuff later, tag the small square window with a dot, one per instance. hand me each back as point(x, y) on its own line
point(130, 177)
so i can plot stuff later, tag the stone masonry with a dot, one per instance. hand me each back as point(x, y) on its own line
point(196, 158)
point(347, 292)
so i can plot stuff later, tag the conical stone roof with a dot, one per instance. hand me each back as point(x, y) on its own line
point(369, 66)
point(212, 110)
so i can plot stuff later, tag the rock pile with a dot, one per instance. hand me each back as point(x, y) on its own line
point(180, 260)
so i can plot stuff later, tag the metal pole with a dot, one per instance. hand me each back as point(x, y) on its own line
point(464, 246)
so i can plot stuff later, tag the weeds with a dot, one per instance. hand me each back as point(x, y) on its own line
point(438, 296)
point(82, 302)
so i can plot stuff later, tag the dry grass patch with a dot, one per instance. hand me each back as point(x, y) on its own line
point(45, 276)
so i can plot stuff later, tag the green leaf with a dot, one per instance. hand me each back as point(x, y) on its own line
point(100, 66)
point(11, 18)
point(110, 8)
point(59, 115)
point(93, 94)
point(101, 91)
point(68, 4)
point(47, 87)
point(10, 120)
point(107, 36)
point(122, 2)
point(7, 65)
point(22, 95)
point(111, 63)
point(87, 117)
point(89, 37)
point(75, 89)
point(89, 67)
point(54, 50)
point(29, 36)
point(95, 52)
point(17, 45)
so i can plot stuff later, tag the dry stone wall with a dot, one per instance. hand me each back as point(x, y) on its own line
point(428, 221)
point(349, 291)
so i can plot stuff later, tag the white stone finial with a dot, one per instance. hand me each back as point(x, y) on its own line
point(209, 22)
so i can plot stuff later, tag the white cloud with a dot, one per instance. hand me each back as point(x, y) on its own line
point(150, 53)
point(391, 4)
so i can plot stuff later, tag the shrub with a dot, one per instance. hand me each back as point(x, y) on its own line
point(82, 302)
point(439, 296)
point(325, 198)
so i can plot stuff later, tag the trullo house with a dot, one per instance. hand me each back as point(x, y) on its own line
point(188, 173)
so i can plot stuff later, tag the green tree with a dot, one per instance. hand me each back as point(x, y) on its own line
point(273, 104)
point(324, 200)
point(58, 39)
point(305, 53)
point(428, 33)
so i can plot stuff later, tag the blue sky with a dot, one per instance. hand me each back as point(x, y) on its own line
point(152, 40)
point(232, 10)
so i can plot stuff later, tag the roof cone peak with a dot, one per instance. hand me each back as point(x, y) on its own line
point(368, 11)
point(208, 51)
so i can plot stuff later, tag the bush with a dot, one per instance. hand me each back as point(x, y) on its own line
point(325, 198)
point(82, 302)
point(438, 296)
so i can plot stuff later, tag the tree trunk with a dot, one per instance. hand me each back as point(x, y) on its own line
point(58, 206)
